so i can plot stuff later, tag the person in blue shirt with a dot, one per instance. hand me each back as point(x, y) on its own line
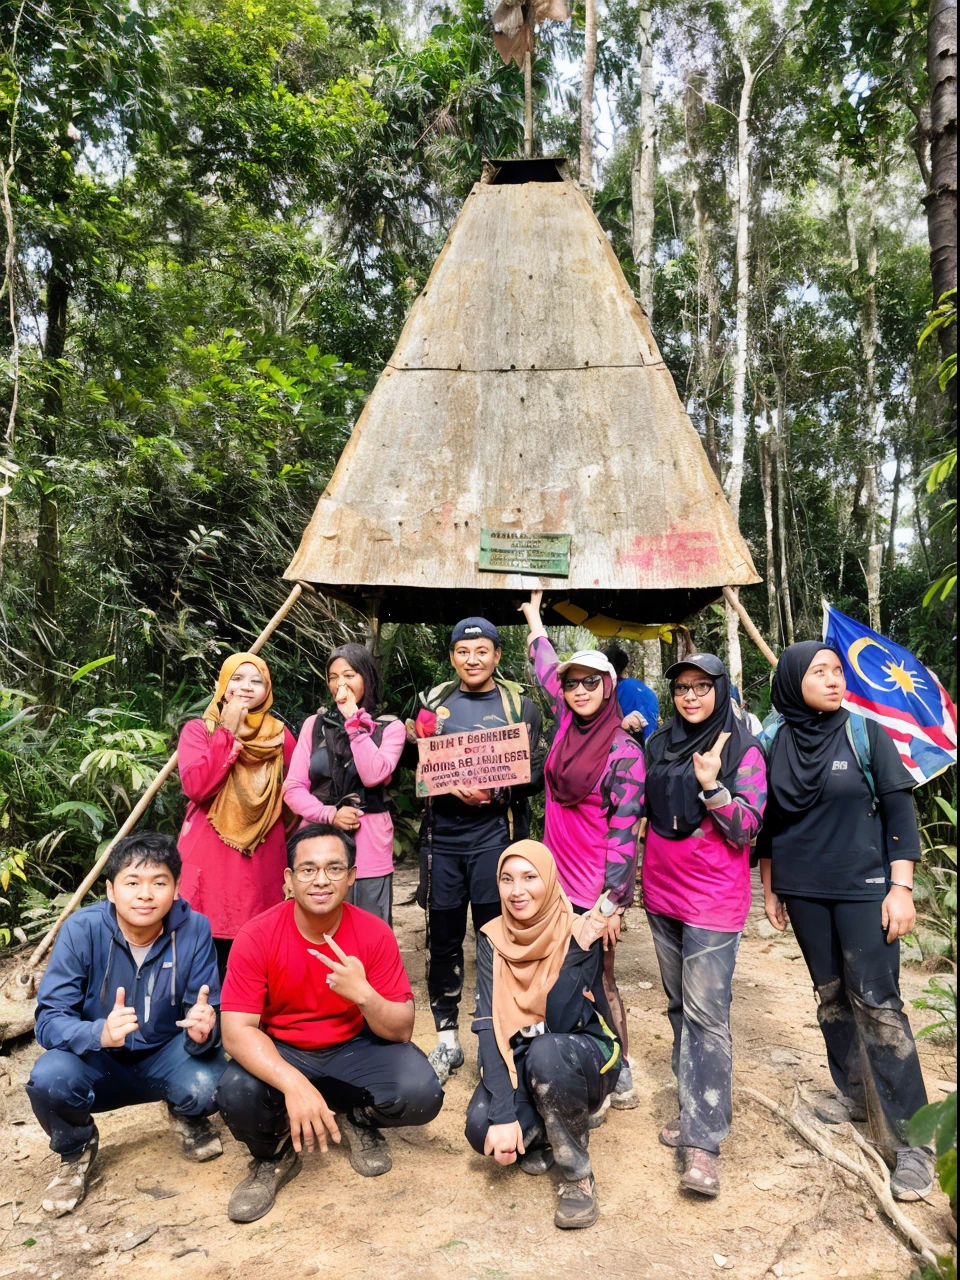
point(127, 1013)
point(638, 702)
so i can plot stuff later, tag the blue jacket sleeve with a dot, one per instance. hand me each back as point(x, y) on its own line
point(203, 970)
point(60, 1023)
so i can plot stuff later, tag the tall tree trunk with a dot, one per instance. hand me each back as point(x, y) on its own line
point(586, 95)
point(767, 445)
point(47, 586)
point(738, 426)
point(785, 601)
point(642, 178)
point(708, 294)
point(941, 199)
point(872, 423)
point(894, 517)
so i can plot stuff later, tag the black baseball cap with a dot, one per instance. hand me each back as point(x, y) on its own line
point(475, 629)
point(708, 663)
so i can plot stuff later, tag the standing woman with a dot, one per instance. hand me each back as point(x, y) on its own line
point(594, 783)
point(343, 762)
point(232, 763)
point(548, 1058)
point(706, 789)
point(837, 855)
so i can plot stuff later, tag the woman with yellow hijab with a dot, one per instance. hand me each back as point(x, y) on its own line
point(232, 764)
point(548, 1056)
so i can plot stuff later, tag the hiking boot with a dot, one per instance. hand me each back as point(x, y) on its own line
point(578, 1206)
point(596, 1118)
point(701, 1172)
point(624, 1096)
point(72, 1180)
point(837, 1108)
point(539, 1160)
point(913, 1177)
point(670, 1134)
point(199, 1138)
point(255, 1195)
point(366, 1146)
point(443, 1059)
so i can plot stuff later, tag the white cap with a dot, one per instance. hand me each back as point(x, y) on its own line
point(591, 658)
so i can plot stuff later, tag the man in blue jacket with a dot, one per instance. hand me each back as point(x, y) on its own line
point(127, 1011)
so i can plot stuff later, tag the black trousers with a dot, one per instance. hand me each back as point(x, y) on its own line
point(456, 882)
point(395, 1082)
point(856, 975)
point(560, 1081)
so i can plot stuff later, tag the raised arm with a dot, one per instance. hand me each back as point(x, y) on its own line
point(204, 759)
point(738, 815)
point(375, 764)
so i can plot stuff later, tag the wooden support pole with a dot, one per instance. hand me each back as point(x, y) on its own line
point(528, 104)
point(143, 804)
point(749, 626)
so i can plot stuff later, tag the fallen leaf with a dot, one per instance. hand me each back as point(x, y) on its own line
point(131, 1242)
point(158, 1192)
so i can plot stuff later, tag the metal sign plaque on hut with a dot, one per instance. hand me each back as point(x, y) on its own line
point(505, 551)
point(526, 394)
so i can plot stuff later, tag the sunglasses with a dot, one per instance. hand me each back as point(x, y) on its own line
point(589, 682)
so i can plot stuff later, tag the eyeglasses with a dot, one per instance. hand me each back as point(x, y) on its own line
point(699, 690)
point(336, 871)
point(589, 682)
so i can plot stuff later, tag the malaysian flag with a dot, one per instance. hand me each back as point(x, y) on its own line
point(886, 683)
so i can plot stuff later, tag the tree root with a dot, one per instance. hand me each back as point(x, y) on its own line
point(872, 1171)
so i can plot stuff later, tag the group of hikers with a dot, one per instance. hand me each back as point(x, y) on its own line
point(250, 968)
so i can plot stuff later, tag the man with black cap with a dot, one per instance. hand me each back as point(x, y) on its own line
point(465, 831)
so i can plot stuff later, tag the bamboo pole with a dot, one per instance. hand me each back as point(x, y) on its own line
point(143, 804)
point(749, 626)
point(528, 104)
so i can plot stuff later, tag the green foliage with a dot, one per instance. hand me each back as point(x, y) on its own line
point(936, 1126)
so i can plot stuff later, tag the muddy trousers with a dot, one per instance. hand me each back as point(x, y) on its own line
point(561, 1079)
point(66, 1090)
point(448, 928)
point(393, 1082)
point(696, 968)
point(856, 975)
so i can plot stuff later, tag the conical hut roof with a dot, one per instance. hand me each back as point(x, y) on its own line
point(526, 394)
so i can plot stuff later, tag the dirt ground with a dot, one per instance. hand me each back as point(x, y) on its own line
point(444, 1212)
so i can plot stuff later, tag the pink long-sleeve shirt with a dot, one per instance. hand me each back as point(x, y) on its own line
point(375, 765)
point(225, 885)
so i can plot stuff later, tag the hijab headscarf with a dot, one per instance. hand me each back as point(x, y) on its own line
point(807, 740)
point(528, 954)
point(251, 798)
point(577, 759)
point(674, 807)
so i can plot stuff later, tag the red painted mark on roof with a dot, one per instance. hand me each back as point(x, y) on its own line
point(694, 550)
point(446, 513)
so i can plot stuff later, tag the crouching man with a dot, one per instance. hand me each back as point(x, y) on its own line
point(127, 1013)
point(317, 1017)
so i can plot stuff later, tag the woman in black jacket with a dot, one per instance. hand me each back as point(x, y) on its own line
point(837, 851)
point(548, 1056)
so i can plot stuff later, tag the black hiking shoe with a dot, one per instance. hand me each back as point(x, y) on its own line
point(443, 1059)
point(72, 1180)
point(366, 1146)
point(538, 1161)
point(837, 1108)
point(913, 1177)
point(670, 1134)
point(578, 1206)
point(199, 1138)
point(255, 1195)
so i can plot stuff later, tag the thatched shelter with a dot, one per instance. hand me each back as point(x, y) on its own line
point(526, 395)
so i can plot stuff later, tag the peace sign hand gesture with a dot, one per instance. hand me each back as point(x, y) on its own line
point(348, 978)
point(201, 1018)
point(707, 765)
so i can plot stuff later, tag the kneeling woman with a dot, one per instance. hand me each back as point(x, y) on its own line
point(706, 789)
point(232, 841)
point(548, 1057)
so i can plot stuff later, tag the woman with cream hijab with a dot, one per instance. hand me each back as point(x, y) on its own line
point(548, 1056)
point(232, 763)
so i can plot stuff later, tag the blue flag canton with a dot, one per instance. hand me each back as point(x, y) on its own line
point(884, 673)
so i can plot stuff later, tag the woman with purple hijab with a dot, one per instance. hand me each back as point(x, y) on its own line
point(594, 785)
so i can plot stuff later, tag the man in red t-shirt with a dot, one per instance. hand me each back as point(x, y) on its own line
point(317, 1015)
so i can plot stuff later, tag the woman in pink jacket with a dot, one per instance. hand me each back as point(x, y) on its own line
point(343, 762)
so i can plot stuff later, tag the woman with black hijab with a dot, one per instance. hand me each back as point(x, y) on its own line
point(342, 765)
point(837, 853)
point(706, 789)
